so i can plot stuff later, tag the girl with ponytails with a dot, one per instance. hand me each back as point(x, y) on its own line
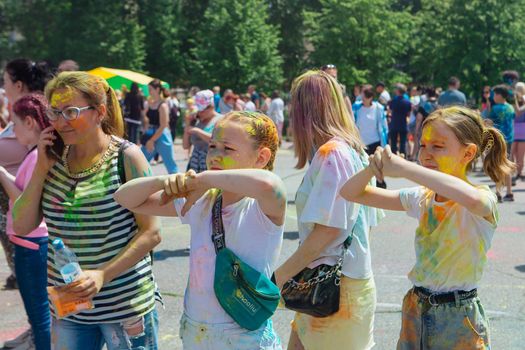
point(457, 220)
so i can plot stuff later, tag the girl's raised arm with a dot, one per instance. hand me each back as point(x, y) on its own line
point(358, 190)
point(142, 193)
point(445, 185)
point(264, 186)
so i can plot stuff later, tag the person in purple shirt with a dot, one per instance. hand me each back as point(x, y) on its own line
point(400, 108)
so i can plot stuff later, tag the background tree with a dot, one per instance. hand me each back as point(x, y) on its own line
point(94, 33)
point(475, 40)
point(288, 16)
point(365, 39)
point(161, 21)
point(236, 43)
point(236, 47)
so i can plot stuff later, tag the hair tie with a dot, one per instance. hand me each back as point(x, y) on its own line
point(488, 140)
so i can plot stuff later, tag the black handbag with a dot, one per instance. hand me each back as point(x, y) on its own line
point(316, 291)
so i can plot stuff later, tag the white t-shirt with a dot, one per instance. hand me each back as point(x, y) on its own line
point(250, 106)
point(275, 112)
point(451, 242)
point(367, 124)
point(249, 234)
point(384, 97)
point(318, 202)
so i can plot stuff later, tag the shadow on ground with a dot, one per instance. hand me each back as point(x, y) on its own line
point(166, 254)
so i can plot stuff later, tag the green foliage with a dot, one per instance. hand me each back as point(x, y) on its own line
point(161, 22)
point(475, 40)
point(365, 39)
point(267, 42)
point(288, 16)
point(236, 47)
point(93, 33)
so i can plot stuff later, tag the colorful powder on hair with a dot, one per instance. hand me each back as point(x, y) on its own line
point(250, 130)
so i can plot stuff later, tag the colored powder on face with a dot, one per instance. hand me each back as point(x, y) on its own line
point(61, 97)
point(426, 135)
point(228, 163)
point(449, 165)
point(80, 123)
point(218, 133)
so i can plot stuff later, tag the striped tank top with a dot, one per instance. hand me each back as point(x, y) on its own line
point(83, 213)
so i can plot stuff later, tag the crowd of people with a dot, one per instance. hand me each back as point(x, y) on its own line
point(71, 173)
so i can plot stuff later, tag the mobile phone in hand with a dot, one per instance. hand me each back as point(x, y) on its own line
point(57, 149)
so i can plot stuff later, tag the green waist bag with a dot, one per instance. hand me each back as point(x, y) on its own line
point(247, 295)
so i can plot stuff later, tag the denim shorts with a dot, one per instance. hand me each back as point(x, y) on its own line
point(226, 336)
point(78, 336)
point(456, 325)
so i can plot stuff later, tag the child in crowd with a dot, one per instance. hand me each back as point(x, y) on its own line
point(457, 221)
point(241, 153)
point(30, 251)
point(326, 138)
point(502, 115)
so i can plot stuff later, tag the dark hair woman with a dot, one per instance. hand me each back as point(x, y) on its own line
point(133, 112)
point(158, 139)
point(21, 77)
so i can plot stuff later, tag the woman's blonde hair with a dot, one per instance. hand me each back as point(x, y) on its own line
point(97, 92)
point(469, 128)
point(261, 129)
point(319, 113)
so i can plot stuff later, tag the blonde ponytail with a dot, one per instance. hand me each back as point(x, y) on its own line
point(113, 123)
point(495, 163)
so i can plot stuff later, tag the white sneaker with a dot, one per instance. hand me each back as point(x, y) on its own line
point(22, 340)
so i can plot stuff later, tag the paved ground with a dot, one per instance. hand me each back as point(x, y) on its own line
point(502, 288)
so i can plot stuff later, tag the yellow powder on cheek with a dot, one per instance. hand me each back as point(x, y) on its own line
point(447, 164)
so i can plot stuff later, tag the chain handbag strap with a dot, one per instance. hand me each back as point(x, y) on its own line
point(323, 276)
point(218, 238)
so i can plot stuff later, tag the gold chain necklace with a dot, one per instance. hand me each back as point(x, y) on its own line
point(112, 147)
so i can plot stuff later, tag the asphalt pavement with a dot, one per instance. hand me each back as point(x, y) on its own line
point(502, 289)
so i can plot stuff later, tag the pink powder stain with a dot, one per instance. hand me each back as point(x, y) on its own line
point(510, 229)
point(11, 333)
point(491, 255)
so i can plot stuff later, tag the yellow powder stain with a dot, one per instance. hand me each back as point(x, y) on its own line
point(250, 130)
point(448, 165)
point(327, 148)
point(426, 135)
point(218, 132)
point(61, 96)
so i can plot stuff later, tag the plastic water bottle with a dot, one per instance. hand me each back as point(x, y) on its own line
point(66, 261)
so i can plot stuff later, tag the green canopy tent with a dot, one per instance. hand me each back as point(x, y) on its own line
point(118, 77)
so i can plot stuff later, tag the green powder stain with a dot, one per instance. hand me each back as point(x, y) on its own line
point(228, 163)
